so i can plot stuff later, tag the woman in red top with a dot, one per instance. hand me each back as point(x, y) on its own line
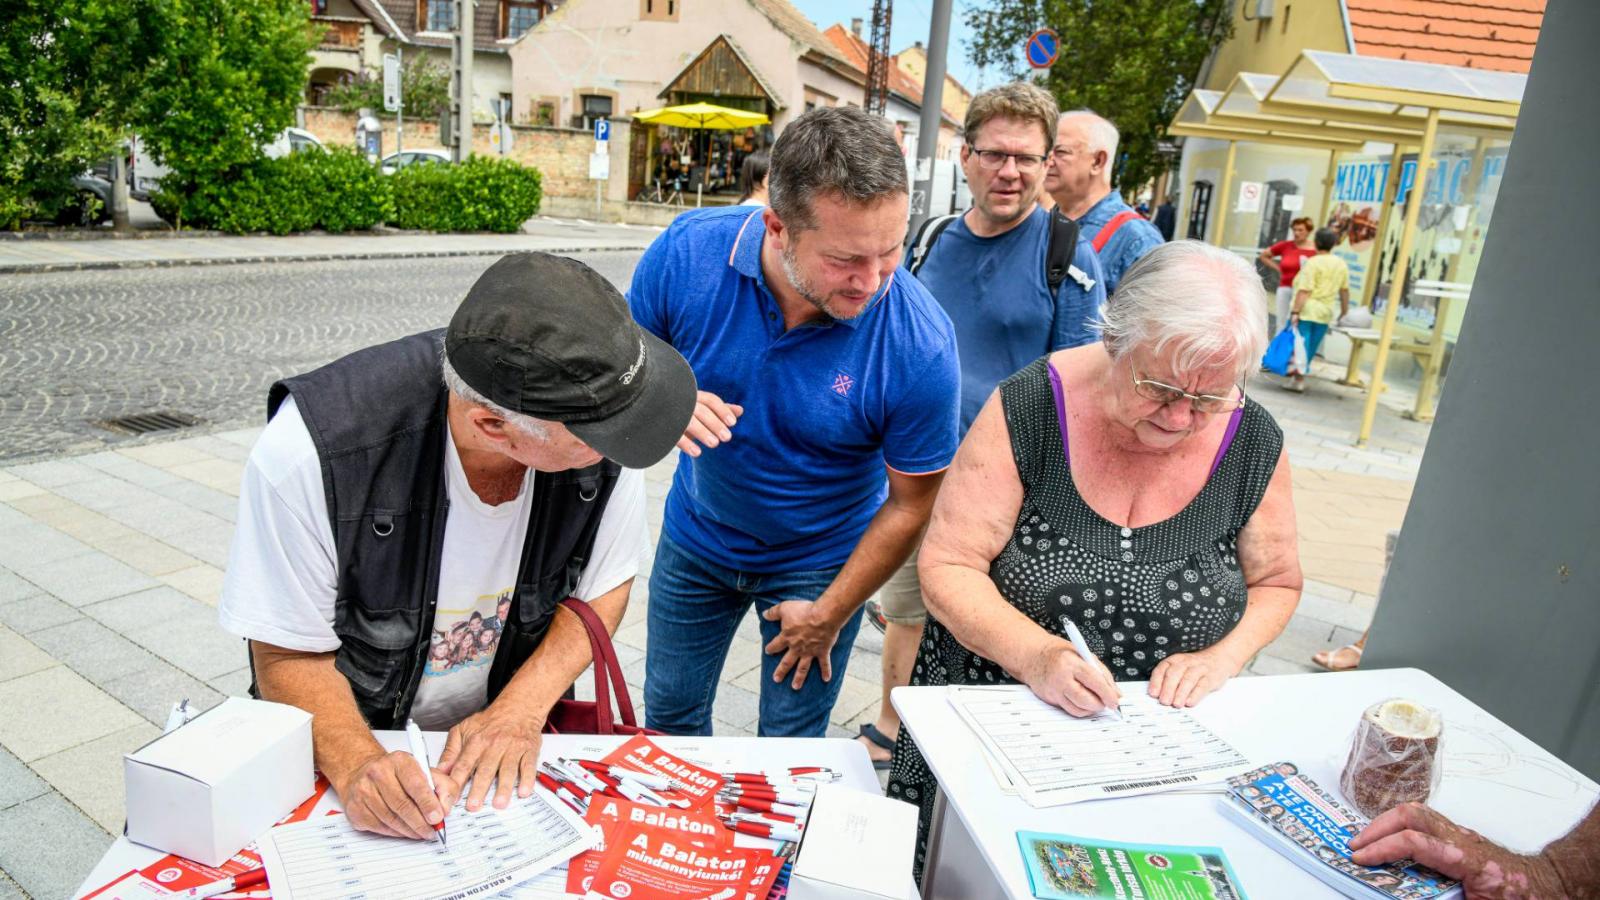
point(1284, 258)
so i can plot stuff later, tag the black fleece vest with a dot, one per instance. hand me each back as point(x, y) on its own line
point(377, 418)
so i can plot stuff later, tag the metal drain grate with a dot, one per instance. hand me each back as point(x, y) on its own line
point(146, 423)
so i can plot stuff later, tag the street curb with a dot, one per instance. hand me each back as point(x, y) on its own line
point(24, 268)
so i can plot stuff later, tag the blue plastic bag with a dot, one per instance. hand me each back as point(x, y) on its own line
point(1280, 353)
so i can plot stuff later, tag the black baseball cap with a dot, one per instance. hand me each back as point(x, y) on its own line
point(549, 337)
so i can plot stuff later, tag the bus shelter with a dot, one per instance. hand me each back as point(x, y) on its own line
point(1382, 122)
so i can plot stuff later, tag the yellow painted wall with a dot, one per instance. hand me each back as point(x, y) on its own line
point(1271, 45)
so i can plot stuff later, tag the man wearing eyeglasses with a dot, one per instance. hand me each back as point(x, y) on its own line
point(1079, 180)
point(988, 269)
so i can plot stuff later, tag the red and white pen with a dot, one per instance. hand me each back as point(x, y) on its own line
point(763, 804)
point(812, 773)
point(243, 881)
point(419, 750)
point(578, 775)
point(561, 792)
point(643, 779)
point(772, 830)
point(776, 795)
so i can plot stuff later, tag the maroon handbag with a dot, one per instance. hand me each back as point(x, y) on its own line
point(596, 717)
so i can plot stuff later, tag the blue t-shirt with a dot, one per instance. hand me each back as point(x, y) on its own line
point(996, 294)
point(827, 405)
point(1133, 239)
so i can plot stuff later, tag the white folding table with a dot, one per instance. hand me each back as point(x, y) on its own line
point(845, 756)
point(1495, 781)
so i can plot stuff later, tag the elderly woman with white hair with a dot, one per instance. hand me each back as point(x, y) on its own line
point(1130, 487)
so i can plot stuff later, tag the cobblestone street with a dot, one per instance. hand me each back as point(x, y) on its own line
point(112, 549)
point(80, 347)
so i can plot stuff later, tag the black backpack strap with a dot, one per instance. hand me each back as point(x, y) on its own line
point(926, 235)
point(1063, 246)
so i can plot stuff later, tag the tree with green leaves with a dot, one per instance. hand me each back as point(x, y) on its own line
point(223, 81)
point(69, 71)
point(424, 90)
point(1132, 61)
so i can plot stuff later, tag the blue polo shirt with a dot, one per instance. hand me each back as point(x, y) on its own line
point(827, 405)
point(995, 291)
point(1133, 239)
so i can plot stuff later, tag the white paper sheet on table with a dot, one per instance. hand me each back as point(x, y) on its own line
point(488, 850)
point(1053, 758)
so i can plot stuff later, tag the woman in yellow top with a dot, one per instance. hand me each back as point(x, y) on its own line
point(1321, 279)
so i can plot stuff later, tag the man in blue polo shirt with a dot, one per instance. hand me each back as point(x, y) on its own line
point(987, 269)
point(827, 415)
point(1079, 180)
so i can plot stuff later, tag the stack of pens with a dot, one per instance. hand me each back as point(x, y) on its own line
point(770, 806)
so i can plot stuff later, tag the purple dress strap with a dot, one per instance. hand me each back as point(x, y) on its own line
point(1061, 410)
point(1227, 440)
point(1061, 420)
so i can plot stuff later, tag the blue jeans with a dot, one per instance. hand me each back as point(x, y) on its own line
point(695, 607)
point(1313, 332)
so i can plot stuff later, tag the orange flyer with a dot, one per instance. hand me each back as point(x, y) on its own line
point(612, 818)
point(659, 865)
point(699, 784)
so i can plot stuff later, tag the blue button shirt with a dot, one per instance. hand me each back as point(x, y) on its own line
point(1133, 239)
point(827, 405)
point(996, 294)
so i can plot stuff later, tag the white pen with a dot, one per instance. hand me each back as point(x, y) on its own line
point(1076, 637)
point(419, 749)
point(178, 717)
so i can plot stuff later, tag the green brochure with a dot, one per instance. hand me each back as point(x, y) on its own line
point(1061, 867)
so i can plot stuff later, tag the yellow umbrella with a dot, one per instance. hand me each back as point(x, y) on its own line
point(702, 115)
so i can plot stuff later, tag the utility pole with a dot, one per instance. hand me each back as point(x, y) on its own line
point(876, 101)
point(461, 98)
point(928, 128)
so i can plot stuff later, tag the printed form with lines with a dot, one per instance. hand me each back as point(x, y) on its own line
point(1051, 758)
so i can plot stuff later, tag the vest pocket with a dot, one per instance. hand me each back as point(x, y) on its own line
point(384, 566)
point(374, 654)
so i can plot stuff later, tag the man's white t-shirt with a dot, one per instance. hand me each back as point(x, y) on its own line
point(281, 581)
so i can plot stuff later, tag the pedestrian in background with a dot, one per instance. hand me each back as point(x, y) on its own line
point(1321, 279)
point(1166, 218)
point(988, 268)
point(753, 179)
point(1285, 257)
point(1079, 178)
point(826, 417)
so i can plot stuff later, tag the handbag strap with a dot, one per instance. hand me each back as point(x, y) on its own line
point(605, 664)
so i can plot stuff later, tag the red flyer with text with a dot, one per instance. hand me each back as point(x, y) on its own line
point(699, 784)
point(613, 818)
point(658, 865)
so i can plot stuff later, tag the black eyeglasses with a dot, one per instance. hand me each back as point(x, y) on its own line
point(1200, 403)
point(996, 159)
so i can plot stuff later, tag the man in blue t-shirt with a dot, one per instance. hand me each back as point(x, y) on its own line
point(987, 269)
point(1079, 181)
point(826, 417)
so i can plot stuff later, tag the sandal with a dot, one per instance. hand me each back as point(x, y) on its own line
point(877, 739)
point(1341, 659)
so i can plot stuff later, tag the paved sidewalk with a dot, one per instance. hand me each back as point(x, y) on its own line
point(111, 563)
point(551, 235)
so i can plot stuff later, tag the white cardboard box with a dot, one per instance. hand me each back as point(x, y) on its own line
point(214, 785)
point(857, 846)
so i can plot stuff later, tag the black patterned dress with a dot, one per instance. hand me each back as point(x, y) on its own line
point(1138, 595)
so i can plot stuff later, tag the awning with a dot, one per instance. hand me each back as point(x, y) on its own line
point(702, 115)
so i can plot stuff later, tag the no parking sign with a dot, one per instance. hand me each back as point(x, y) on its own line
point(1043, 48)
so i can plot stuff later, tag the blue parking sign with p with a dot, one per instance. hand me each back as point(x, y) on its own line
point(602, 129)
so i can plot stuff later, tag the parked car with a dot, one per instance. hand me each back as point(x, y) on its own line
point(293, 140)
point(397, 161)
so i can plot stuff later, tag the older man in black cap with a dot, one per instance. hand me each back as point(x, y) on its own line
point(408, 490)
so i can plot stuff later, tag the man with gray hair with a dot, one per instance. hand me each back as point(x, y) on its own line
point(826, 416)
point(414, 515)
point(1079, 180)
